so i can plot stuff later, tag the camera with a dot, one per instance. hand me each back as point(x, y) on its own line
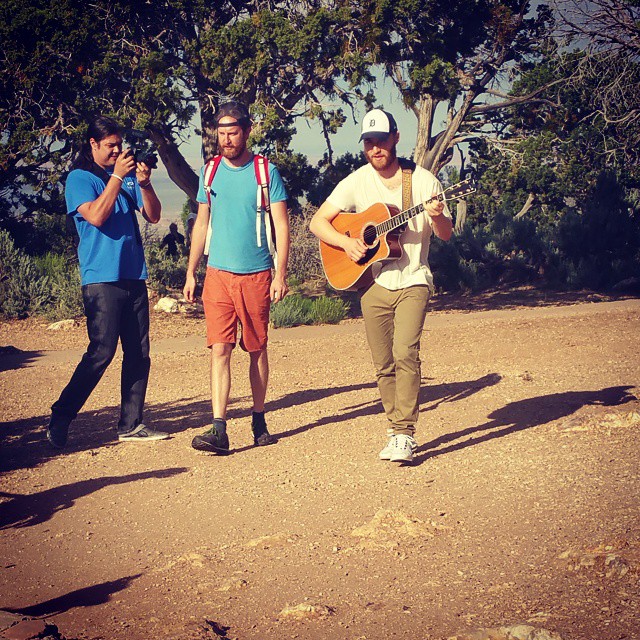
point(142, 149)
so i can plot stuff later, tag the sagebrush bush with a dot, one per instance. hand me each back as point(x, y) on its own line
point(304, 257)
point(66, 293)
point(325, 310)
point(293, 310)
point(23, 289)
point(297, 310)
point(165, 273)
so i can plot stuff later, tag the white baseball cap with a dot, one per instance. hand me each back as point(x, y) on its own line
point(378, 124)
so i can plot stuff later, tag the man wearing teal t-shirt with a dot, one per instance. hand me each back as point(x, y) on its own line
point(239, 287)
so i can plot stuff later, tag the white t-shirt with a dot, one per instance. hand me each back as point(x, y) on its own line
point(364, 188)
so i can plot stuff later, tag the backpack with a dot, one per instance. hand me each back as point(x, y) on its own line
point(263, 201)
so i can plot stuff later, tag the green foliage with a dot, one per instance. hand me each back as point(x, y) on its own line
point(293, 310)
point(66, 293)
point(296, 310)
point(326, 310)
point(166, 274)
point(304, 257)
point(23, 290)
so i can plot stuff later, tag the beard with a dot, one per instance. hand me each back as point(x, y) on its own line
point(231, 153)
point(384, 160)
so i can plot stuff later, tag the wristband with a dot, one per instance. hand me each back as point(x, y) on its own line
point(144, 185)
point(115, 175)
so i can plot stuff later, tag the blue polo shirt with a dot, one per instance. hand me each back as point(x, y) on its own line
point(234, 239)
point(111, 252)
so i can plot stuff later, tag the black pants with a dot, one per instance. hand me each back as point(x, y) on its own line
point(114, 310)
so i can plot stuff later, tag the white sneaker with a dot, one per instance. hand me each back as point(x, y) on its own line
point(403, 449)
point(389, 448)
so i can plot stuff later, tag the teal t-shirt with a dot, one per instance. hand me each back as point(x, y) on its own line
point(234, 239)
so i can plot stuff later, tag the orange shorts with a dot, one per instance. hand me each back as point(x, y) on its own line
point(229, 298)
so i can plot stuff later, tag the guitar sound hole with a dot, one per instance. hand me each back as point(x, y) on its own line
point(369, 235)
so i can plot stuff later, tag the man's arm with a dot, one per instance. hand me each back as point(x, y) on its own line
point(151, 206)
point(280, 220)
point(322, 228)
point(442, 225)
point(198, 238)
point(98, 211)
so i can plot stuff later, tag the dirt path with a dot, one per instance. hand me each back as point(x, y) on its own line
point(522, 504)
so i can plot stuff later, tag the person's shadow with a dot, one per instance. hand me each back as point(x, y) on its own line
point(429, 393)
point(520, 415)
point(19, 510)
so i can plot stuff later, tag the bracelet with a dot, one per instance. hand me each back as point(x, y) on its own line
point(115, 175)
point(144, 185)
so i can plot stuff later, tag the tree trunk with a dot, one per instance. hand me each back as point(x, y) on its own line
point(177, 167)
point(461, 216)
point(209, 137)
point(423, 138)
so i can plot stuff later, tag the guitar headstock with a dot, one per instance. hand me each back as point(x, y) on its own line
point(460, 190)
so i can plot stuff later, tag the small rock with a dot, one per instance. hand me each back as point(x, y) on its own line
point(233, 584)
point(387, 528)
point(306, 611)
point(513, 632)
point(63, 325)
point(168, 305)
point(27, 629)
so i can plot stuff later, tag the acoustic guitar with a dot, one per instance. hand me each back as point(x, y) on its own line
point(379, 227)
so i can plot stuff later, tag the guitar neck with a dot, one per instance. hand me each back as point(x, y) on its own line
point(404, 216)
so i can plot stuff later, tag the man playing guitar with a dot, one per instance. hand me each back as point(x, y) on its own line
point(394, 306)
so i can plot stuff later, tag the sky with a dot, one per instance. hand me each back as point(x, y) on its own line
point(308, 141)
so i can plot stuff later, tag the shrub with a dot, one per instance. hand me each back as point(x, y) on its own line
point(165, 273)
point(304, 257)
point(23, 289)
point(325, 310)
point(66, 292)
point(293, 310)
point(297, 310)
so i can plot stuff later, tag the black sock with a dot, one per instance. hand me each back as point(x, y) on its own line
point(258, 423)
point(220, 425)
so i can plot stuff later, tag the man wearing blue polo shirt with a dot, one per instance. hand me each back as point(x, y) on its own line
point(103, 192)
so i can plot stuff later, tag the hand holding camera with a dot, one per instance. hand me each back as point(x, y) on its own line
point(125, 164)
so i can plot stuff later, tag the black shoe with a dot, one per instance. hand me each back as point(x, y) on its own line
point(215, 440)
point(261, 437)
point(142, 433)
point(57, 434)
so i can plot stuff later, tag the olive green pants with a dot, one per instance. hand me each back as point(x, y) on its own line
point(394, 321)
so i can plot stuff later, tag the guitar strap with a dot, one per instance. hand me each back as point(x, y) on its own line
point(406, 187)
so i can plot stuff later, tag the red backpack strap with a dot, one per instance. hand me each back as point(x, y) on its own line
point(263, 201)
point(209, 173)
point(261, 167)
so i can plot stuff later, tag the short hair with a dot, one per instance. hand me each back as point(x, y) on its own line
point(236, 110)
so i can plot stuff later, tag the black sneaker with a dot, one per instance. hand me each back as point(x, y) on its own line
point(261, 436)
point(142, 433)
point(215, 440)
point(57, 434)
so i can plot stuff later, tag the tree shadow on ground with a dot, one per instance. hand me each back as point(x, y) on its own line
point(12, 358)
point(86, 597)
point(523, 414)
point(510, 297)
point(27, 510)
